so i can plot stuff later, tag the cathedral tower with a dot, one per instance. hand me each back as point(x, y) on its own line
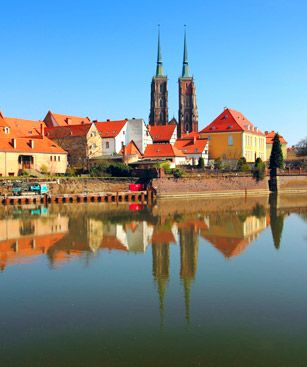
point(159, 93)
point(188, 114)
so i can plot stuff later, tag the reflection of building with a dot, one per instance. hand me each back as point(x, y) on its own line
point(24, 238)
point(231, 233)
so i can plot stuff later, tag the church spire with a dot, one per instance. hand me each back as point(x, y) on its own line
point(159, 71)
point(185, 66)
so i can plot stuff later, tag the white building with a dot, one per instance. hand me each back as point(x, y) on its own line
point(116, 134)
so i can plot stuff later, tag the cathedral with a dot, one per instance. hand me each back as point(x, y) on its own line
point(187, 112)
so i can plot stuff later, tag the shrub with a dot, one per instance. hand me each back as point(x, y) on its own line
point(23, 173)
point(71, 172)
point(242, 165)
point(201, 163)
point(119, 170)
point(177, 172)
point(44, 169)
point(218, 163)
point(258, 171)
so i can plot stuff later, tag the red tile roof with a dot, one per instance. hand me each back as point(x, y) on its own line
point(162, 150)
point(191, 146)
point(59, 132)
point(110, 129)
point(41, 145)
point(231, 120)
point(64, 120)
point(190, 135)
point(270, 136)
point(162, 132)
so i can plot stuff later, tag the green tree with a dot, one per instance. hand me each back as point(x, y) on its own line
point(276, 158)
point(258, 170)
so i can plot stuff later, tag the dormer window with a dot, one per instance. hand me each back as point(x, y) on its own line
point(6, 130)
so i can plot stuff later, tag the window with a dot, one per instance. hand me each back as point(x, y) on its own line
point(94, 146)
point(51, 158)
point(230, 140)
point(161, 88)
point(161, 102)
point(54, 158)
point(59, 158)
point(93, 133)
point(161, 117)
point(107, 145)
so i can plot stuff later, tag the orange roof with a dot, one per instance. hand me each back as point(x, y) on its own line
point(23, 128)
point(58, 132)
point(231, 121)
point(162, 132)
point(110, 129)
point(190, 135)
point(131, 149)
point(191, 146)
point(270, 136)
point(40, 145)
point(56, 119)
point(162, 150)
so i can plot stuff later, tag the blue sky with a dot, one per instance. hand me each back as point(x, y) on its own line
point(96, 58)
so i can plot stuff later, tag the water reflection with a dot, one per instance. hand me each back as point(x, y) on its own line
point(62, 233)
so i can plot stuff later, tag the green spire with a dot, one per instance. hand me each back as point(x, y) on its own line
point(185, 67)
point(159, 71)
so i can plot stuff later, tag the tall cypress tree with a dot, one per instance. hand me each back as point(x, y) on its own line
point(276, 158)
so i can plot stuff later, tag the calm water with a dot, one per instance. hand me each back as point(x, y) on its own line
point(184, 283)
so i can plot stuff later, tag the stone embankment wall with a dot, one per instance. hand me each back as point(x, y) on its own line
point(76, 186)
point(210, 186)
point(292, 183)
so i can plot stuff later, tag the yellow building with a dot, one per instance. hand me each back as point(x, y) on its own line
point(232, 136)
point(269, 143)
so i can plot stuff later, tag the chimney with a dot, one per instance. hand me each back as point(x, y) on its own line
point(31, 141)
point(42, 131)
point(194, 139)
point(14, 143)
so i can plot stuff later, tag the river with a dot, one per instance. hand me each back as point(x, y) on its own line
point(215, 282)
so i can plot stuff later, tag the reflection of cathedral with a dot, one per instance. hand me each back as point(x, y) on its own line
point(188, 260)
